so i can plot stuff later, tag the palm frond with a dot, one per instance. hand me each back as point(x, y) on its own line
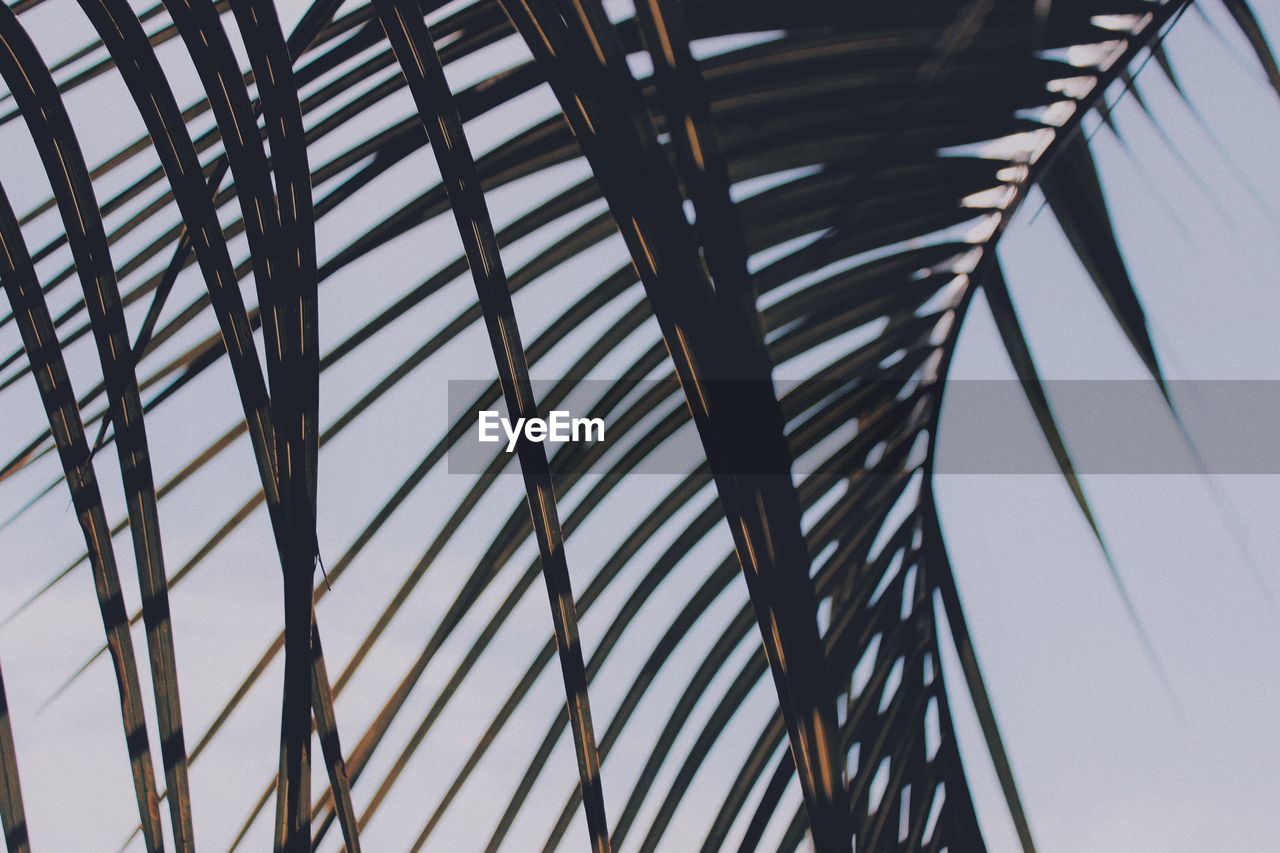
point(12, 813)
point(748, 193)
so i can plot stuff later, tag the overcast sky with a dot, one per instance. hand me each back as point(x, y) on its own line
point(1106, 760)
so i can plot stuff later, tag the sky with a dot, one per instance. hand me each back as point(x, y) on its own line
point(1105, 757)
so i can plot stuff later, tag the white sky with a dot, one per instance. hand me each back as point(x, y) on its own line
point(1103, 761)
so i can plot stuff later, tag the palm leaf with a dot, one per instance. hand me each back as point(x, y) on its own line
point(11, 811)
point(64, 419)
point(801, 189)
point(425, 76)
point(31, 85)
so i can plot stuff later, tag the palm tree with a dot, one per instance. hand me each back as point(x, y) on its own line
point(813, 189)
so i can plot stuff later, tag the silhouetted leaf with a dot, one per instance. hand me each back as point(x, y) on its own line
point(803, 189)
point(1074, 193)
point(1248, 23)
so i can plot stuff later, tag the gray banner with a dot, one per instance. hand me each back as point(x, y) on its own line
point(988, 427)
